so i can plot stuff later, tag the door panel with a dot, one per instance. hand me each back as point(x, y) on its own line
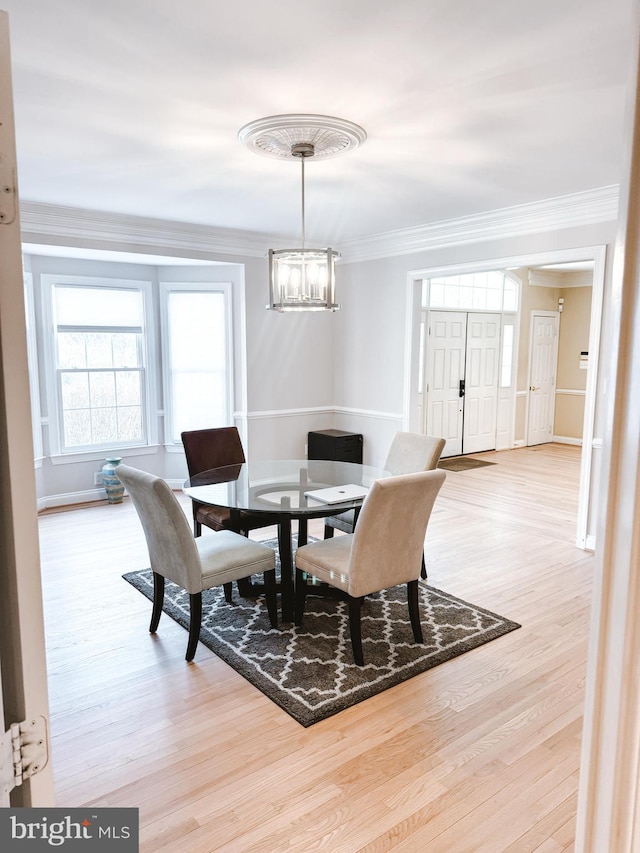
point(481, 382)
point(445, 369)
point(542, 378)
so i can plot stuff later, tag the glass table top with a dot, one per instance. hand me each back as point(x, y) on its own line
point(280, 485)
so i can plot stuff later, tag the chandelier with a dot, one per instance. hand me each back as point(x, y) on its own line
point(302, 279)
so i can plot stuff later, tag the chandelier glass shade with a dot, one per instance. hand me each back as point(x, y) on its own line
point(302, 279)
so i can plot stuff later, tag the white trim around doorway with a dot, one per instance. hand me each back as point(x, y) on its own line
point(597, 254)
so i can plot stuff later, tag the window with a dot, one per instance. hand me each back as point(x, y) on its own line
point(197, 362)
point(506, 365)
point(482, 291)
point(32, 362)
point(99, 353)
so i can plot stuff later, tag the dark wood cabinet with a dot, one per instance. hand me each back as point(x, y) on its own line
point(336, 445)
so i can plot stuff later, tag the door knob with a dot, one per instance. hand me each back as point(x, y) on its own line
point(534, 387)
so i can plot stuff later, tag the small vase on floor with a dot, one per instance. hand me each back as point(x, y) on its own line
point(112, 485)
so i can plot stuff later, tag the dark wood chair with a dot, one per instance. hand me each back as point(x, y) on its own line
point(214, 448)
point(385, 550)
point(193, 564)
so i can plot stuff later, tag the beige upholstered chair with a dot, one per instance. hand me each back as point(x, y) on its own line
point(409, 452)
point(193, 564)
point(384, 550)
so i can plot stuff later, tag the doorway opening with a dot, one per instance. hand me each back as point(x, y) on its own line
point(513, 398)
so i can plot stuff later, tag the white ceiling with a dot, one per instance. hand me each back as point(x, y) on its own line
point(133, 106)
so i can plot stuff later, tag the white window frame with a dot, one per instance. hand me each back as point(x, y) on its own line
point(58, 452)
point(166, 288)
point(32, 361)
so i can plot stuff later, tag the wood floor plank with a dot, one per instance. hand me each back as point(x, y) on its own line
point(479, 754)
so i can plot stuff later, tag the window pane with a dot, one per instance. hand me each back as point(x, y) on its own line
point(71, 349)
point(510, 296)
point(77, 428)
point(130, 423)
point(103, 389)
point(437, 295)
point(494, 300)
point(507, 356)
point(197, 326)
point(197, 330)
point(97, 306)
point(126, 352)
point(104, 427)
point(128, 390)
point(99, 353)
point(466, 297)
point(75, 390)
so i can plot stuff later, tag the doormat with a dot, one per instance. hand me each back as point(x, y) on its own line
point(309, 671)
point(463, 463)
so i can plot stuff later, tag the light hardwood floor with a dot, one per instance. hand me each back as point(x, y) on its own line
point(479, 754)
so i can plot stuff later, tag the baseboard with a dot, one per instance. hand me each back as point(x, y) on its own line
point(566, 439)
point(69, 498)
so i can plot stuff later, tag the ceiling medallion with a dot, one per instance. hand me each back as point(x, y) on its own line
point(275, 136)
point(302, 279)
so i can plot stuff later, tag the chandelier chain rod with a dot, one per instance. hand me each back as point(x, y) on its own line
point(302, 159)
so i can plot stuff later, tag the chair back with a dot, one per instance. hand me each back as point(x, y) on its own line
point(411, 451)
point(212, 448)
point(172, 550)
point(388, 540)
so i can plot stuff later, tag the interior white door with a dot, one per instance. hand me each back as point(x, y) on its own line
point(542, 377)
point(481, 382)
point(446, 352)
point(22, 644)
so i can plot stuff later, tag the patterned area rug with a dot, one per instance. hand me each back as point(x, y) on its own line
point(463, 463)
point(309, 671)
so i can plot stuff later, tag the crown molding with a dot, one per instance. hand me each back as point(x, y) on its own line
point(584, 208)
point(558, 278)
point(69, 226)
point(72, 226)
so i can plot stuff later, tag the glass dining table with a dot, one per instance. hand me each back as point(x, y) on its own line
point(280, 487)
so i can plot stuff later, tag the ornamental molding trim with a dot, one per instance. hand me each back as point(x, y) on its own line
point(76, 227)
point(585, 208)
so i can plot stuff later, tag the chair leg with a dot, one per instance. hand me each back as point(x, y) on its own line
point(423, 570)
point(158, 600)
point(270, 596)
point(328, 531)
point(355, 606)
point(228, 588)
point(195, 621)
point(197, 529)
point(244, 587)
point(414, 610)
point(300, 596)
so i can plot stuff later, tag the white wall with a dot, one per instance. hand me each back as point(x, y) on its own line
point(312, 371)
point(283, 374)
point(370, 333)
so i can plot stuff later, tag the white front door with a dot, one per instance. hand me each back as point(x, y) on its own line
point(542, 377)
point(481, 382)
point(446, 352)
point(463, 357)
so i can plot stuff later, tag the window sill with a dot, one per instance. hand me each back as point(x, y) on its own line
point(97, 455)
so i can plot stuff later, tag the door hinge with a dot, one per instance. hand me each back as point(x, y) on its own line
point(24, 751)
point(8, 194)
